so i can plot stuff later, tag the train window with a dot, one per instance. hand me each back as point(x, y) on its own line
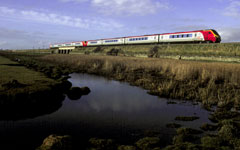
point(93, 42)
point(146, 38)
point(182, 35)
point(175, 36)
point(209, 32)
point(195, 34)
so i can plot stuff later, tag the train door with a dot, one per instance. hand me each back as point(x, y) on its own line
point(85, 43)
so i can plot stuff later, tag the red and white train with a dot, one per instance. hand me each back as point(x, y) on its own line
point(199, 36)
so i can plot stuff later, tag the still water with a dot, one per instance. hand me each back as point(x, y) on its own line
point(111, 110)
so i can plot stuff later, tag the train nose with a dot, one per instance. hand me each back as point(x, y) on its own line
point(218, 39)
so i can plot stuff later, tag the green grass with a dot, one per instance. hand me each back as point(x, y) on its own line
point(32, 81)
point(229, 52)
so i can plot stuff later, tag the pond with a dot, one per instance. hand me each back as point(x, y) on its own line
point(111, 110)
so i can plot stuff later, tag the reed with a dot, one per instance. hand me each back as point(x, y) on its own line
point(210, 83)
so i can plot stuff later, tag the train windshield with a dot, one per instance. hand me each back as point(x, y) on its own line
point(215, 32)
point(218, 36)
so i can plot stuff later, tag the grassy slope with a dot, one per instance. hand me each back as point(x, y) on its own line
point(32, 81)
point(216, 52)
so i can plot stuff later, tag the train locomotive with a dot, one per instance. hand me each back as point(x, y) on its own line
point(199, 36)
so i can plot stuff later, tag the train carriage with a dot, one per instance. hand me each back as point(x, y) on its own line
point(77, 44)
point(94, 42)
point(182, 37)
point(141, 39)
point(113, 41)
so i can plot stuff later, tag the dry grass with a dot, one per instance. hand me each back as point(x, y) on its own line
point(210, 83)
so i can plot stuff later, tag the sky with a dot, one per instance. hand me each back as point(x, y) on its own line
point(27, 24)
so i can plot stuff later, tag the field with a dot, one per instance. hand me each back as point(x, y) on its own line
point(21, 77)
point(212, 83)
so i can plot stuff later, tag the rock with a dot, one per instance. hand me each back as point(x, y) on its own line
point(126, 147)
point(148, 143)
point(85, 90)
point(54, 142)
point(185, 135)
point(208, 127)
point(74, 93)
point(173, 125)
point(226, 132)
point(188, 131)
point(171, 102)
point(183, 146)
point(102, 144)
point(184, 118)
point(210, 142)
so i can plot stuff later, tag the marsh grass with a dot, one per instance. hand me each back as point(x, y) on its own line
point(210, 83)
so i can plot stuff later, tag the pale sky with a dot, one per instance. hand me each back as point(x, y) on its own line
point(37, 23)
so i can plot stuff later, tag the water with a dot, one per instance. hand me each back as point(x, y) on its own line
point(111, 110)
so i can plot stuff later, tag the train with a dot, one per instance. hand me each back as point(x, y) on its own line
point(198, 36)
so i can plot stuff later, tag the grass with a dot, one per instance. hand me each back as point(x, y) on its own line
point(33, 81)
point(210, 83)
point(163, 50)
point(25, 93)
point(207, 82)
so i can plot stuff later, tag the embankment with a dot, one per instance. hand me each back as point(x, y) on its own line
point(228, 52)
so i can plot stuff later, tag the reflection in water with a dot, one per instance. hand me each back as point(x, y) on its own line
point(112, 110)
point(26, 106)
point(111, 99)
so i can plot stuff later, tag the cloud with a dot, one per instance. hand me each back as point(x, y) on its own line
point(188, 27)
point(7, 10)
point(19, 39)
point(58, 19)
point(75, 1)
point(3, 42)
point(124, 7)
point(128, 7)
point(233, 9)
point(229, 34)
